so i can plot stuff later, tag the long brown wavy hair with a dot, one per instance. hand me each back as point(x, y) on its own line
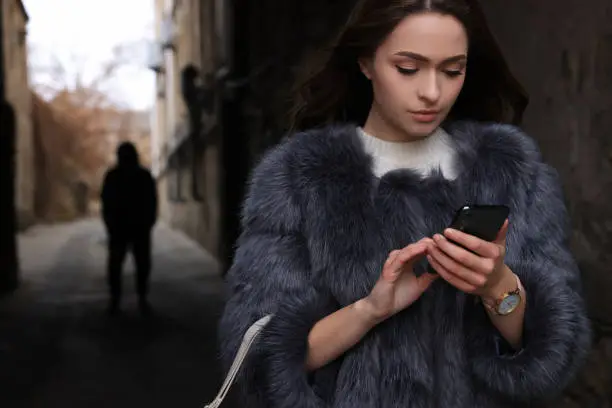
point(331, 87)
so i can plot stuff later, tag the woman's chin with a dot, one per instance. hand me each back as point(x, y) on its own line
point(420, 130)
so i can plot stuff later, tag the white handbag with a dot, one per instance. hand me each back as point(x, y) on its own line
point(247, 341)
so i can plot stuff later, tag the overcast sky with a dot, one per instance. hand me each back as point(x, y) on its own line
point(82, 34)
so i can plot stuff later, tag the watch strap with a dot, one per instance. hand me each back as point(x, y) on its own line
point(492, 304)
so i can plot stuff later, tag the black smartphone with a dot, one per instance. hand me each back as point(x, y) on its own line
point(482, 221)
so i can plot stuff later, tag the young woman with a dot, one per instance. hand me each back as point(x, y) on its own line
point(400, 125)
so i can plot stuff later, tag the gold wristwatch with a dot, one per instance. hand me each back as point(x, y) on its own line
point(507, 302)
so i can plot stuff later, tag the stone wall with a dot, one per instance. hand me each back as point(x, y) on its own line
point(188, 183)
point(562, 53)
point(197, 215)
point(18, 94)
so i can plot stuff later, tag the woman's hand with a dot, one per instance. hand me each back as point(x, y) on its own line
point(478, 272)
point(398, 287)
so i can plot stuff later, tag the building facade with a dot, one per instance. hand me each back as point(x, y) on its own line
point(17, 91)
point(243, 54)
point(187, 161)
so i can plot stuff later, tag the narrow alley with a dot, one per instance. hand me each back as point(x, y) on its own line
point(59, 348)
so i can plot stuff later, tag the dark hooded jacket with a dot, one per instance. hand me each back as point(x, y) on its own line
point(129, 194)
point(317, 227)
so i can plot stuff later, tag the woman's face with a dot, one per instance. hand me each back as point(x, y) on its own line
point(418, 72)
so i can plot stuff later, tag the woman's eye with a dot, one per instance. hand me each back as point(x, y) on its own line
point(453, 73)
point(454, 70)
point(406, 71)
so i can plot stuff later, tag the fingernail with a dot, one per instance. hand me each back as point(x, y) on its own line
point(449, 231)
point(438, 237)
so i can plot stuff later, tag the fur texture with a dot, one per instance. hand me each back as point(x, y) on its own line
point(317, 227)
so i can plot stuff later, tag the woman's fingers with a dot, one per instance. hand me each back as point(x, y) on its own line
point(397, 259)
point(390, 270)
point(391, 256)
point(467, 275)
point(469, 261)
point(479, 246)
point(501, 235)
point(425, 280)
point(413, 251)
point(450, 277)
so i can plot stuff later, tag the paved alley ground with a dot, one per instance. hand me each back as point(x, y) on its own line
point(58, 348)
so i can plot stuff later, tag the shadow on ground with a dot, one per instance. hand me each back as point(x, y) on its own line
point(58, 348)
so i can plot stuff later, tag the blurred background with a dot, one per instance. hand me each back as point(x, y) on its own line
point(199, 86)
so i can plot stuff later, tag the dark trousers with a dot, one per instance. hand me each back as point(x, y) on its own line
point(139, 244)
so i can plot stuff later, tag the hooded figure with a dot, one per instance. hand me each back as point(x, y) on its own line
point(129, 211)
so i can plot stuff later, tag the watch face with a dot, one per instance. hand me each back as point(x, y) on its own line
point(509, 304)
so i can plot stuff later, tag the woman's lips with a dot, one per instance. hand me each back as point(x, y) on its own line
point(425, 116)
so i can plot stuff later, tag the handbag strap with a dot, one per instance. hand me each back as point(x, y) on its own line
point(247, 341)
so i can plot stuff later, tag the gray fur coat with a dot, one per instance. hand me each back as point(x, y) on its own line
point(317, 227)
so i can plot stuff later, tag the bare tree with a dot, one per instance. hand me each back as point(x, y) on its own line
point(77, 124)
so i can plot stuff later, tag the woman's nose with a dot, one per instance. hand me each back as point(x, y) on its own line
point(429, 88)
